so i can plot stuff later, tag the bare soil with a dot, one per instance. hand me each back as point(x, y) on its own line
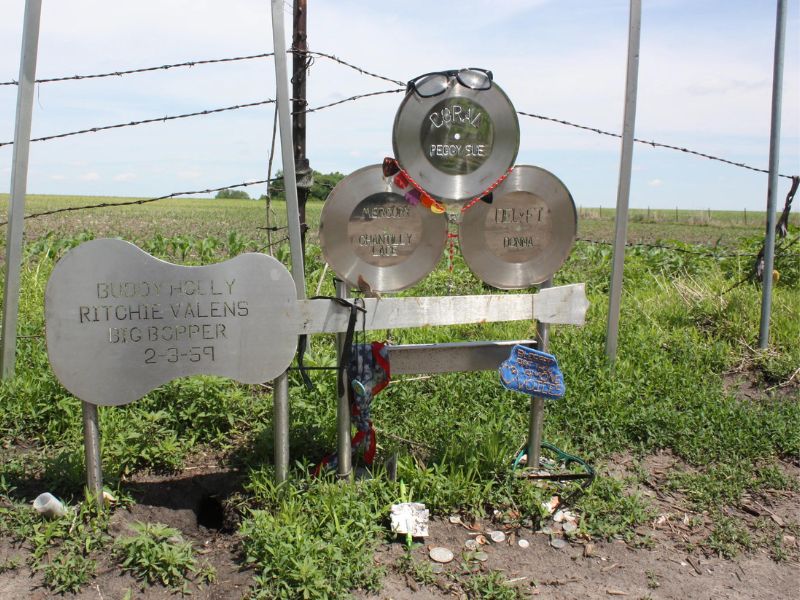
point(676, 565)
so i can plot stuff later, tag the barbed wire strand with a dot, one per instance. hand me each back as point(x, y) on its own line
point(210, 111)
point(190, 63)
point(350, 99)
point(196, 114)
point(652, 143)
point(144, 200)
point(354, 67)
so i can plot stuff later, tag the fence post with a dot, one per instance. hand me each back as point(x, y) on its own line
point(624, 188)
point(19, 184)
point(292, 223)
point(772, 186)
point(536, 422)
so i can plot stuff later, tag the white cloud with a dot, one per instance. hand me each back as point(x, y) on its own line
point(57, 177)
point(125, 177)
point(90, 176)
point(655, 183)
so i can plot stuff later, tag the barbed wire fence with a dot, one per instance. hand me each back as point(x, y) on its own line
point(269, 180)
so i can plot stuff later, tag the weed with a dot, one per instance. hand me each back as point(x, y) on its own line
point(314, 538)
point(608, 511)
point(652, 580)
point(9, 564)
point(728, 537)
point(421, 572)
point(157, 553)
point(490, 586)
point(68, 571)
point(63, 548)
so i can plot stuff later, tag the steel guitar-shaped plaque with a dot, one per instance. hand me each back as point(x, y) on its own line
point(121, 322)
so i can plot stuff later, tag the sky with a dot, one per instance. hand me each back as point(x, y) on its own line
point(705, 83)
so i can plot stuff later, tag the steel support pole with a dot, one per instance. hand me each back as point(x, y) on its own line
point(624, 187)
point(91, 450)
point(536, 423)
point(281, 399)
point(343, 447)
point(19, 184)
point(280, 418)
point(287, 153)
point(772, 185)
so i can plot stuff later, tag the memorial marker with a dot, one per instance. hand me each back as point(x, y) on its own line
point(373, 238)
point(120, 322)
point(455, 133)
point(525, 235)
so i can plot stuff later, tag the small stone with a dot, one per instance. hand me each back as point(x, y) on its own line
point(559, 543)
point(455, 519)
point(437, 568)
point(588, 550)
point(551, 505)
point(441, 555)
point(523, 543)
point(569, 527)
point(497, 537)
point(559, 517)
point(471, 545)
point(546, 530)
point(481, 556)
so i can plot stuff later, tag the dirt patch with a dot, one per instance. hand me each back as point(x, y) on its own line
point(676, 565)
point(611, 569)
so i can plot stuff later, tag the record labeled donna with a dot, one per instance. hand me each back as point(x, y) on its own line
point(373, 238)
point(525, 235)
point(455, 133)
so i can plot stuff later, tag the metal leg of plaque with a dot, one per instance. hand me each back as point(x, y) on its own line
point(91, 448)
point(343, 449)
point(280, 387)
point(536, 423)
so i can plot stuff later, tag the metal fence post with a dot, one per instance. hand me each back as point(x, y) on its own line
point(536, 422)
point(91, 451)
point(772, 185)
point(281, 398)
point(280, 418)
point(624, 188)
point(343, 447)
point(19, 183)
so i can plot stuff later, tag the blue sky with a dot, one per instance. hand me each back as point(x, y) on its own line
point(704, 83)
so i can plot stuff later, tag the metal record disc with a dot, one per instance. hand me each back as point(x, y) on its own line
point(373, 239)
point(458, 143)
point(525, 235)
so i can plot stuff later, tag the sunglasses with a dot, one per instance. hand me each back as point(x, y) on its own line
point(433, 84)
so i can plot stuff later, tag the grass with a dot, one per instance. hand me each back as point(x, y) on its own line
point(156, 553)
point(683, 326)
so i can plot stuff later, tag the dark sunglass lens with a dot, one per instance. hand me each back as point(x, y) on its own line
point(390, 167)
point(431, 85)
point(474, 79)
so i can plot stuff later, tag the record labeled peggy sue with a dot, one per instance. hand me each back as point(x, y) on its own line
point(455, 132)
